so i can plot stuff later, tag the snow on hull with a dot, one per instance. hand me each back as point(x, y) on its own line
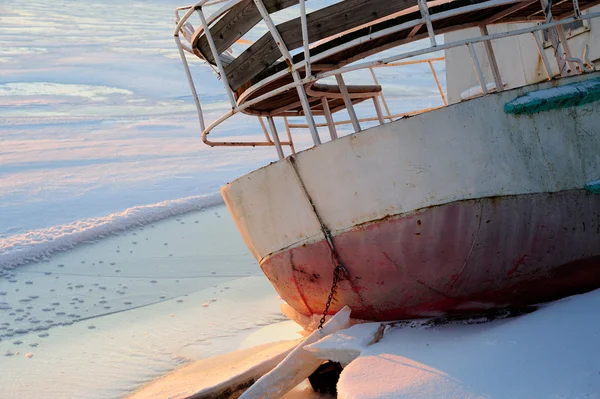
point(551, 353)
point(39, 244)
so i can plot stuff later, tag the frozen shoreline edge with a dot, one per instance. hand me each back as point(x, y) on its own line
point(39, 245)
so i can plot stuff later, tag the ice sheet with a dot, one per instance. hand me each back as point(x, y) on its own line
point(104, 318)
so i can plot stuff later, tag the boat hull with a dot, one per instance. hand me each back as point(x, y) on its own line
point(466, 256)
point(457, 210)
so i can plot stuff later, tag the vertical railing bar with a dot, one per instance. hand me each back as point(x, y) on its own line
point(480, 77)
point(542, 52)
point(329, 118)
point(295, 75)
point(215, 53)
point(305, 41)
point(289, 134)
point(264, 128)
point(576, 9)
point(437, 82)
point(424, 9)
point(385, 105)
point(378, 110)
point(191, 83)
point(586, 59)
point(275, 137)
point(348, 102)
point(565, 46)
point(553, 33)
point(489, 49)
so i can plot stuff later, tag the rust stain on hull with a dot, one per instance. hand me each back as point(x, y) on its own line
point(468, 256)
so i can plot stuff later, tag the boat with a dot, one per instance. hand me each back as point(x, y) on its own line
point(488, 199)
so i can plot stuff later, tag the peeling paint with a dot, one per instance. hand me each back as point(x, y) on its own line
point(570, 95)
point(593, 187)
point(458, 264)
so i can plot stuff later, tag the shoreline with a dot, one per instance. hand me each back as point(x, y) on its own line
point(41, 244)
point(180, 291)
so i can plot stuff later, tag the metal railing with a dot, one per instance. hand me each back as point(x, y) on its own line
point(244, 102)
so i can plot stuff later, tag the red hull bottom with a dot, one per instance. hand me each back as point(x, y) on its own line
point(467, 256)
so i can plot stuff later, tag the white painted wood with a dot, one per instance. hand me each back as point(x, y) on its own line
point(467, 151)
point(268, 199)
point(519, 50)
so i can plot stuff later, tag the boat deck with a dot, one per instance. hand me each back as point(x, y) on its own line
point(343, 33)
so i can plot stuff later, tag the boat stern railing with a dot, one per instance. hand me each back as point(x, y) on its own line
point(566, 62)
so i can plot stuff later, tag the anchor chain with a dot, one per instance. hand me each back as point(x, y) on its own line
point(339, 272)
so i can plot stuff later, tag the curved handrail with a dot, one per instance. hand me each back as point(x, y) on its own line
point(356, 42)
point(390, 59)
point(244, 102)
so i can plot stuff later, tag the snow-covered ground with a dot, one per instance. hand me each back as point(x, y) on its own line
point(96, 118)
point(104, 318)
point(551, 353)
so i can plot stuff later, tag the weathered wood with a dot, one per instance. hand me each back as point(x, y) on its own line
point(322, 23)
point(288, 100)
point(236, 23)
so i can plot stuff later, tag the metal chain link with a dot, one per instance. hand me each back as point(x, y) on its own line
point(338, 273)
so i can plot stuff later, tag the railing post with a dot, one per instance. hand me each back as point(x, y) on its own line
point(329, 118)
point(348, 102)
point(378, 111)
point(387, 109)
point(275, 137)
point(305, 41)
point(540, 47)
point(480, 77)
point(289, 134)
point(437, 82)
point(213, 50)
point(576, 10)
point(492, 59)
point(553, 33)
point(295, 75)
point(191, 83)
point(264, 129)
point(425, 14)
point(566, 48)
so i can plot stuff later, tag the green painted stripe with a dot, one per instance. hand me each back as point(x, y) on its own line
point(571, 95)
point(593, 187)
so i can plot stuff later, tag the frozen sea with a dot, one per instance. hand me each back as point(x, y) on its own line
point(98, 128)
point(118, 261)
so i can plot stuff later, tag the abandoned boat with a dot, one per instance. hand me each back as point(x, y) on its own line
point(488, 199)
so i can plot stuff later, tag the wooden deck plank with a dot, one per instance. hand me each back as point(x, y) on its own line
point(348, 14)
point(236, 23)
point(448, 24)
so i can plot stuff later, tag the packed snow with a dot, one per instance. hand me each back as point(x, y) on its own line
point(550, 353)
point(119, 312)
